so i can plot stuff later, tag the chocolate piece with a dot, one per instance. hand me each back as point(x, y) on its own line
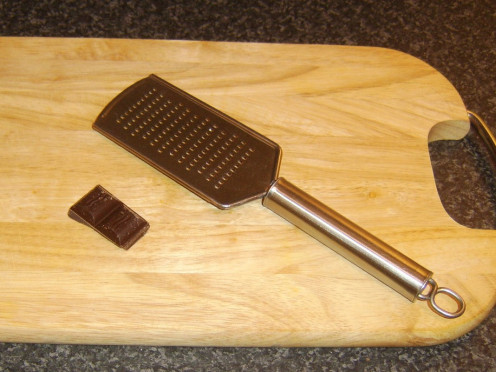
point(106, 214)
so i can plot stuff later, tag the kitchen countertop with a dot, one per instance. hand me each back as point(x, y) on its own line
point(456, 37)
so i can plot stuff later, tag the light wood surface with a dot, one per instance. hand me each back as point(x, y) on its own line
point(354, 124)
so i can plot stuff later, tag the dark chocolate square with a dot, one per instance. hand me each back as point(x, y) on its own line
point(106, 214)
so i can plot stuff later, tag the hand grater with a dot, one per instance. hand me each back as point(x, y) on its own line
point(228, 164)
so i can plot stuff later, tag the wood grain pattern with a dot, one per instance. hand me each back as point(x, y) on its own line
point(354, 124)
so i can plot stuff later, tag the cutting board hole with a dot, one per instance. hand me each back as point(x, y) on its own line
point(464, 171)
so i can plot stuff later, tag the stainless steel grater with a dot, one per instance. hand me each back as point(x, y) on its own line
point(227, 164)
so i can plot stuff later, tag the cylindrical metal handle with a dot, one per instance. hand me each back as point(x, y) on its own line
point(354, 243)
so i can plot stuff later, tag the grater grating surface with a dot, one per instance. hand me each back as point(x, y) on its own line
point(206, 151)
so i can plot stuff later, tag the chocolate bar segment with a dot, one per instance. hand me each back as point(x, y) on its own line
point(106, 214)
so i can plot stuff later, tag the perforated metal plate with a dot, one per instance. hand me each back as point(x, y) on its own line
point(206, 151)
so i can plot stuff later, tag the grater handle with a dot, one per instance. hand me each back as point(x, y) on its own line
point(357, 245)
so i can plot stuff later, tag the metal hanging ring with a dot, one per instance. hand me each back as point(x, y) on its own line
point(431, 283)
point(434, 290)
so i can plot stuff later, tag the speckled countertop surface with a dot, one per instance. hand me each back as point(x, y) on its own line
point(456, 37)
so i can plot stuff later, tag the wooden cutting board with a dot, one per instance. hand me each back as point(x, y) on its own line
point(354, 124)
